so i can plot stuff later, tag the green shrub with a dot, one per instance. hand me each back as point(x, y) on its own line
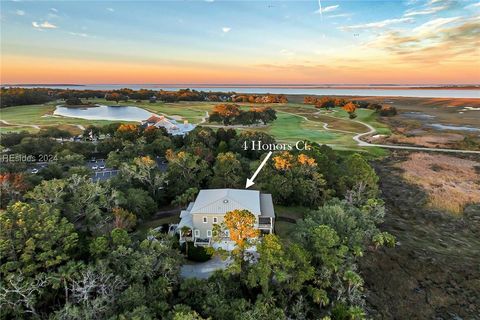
point(197, 254)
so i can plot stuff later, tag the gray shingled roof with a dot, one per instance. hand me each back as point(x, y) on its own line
point(266, 204)
point(221, 201)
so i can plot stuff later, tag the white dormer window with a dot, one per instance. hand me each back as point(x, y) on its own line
point(197, 233)
point(209, 233)
point(205, 219)
point(215, 220)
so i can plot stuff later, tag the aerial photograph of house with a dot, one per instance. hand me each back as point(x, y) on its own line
point(210, 207)
point(240, 160)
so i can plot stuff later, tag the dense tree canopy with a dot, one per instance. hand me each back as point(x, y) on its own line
point(73, 248)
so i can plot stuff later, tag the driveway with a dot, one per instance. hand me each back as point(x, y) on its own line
point(203, 270)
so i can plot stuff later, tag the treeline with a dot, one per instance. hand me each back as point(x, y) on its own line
point(269, 98)
point(21, 96)
point(349, 105)
point(232, 114)
point(14, 96)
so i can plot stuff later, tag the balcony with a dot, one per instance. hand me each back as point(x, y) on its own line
point(203, 242)
point(265, 223)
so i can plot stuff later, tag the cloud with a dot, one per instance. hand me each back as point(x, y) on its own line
point(226, 29)
point(378, 24)
point(433, 25)
point(83, 35)
point(436, 41)
point(330, 8)
point(111, 9)
point(54, 9)
point(209, 0)
point(327, 9)
point(473, 5)
point(425, 11)
point(340, 15)
point(43, 25)
point(20, 13)
point(286, 52)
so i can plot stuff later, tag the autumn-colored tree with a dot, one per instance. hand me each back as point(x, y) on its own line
point(306, 160)
point(114, 97)
point(123, 219)
point(226, 112)
point(127, 131)
point(125, 127)
point(350, 107)
point(12, 186)
point(388, 111)
point(283, 161)
point(309, 100)
point(325, 102)
point(241, 225)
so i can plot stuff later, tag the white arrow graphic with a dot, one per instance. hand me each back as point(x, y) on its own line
point(250, 181)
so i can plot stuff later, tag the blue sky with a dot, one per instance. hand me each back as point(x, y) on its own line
point(241, 41)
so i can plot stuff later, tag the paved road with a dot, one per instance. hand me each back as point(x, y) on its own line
point(203, 270)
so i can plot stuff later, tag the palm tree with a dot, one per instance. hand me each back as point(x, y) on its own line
point(185, 231)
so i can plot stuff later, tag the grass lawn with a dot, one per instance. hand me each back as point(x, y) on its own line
point(295, 212)
point(291, 128)
point(367, 116)
point(284, 229)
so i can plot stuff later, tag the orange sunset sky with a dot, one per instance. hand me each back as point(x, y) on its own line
point(404, 42)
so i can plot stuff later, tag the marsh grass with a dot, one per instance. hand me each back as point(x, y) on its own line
point(451, 183)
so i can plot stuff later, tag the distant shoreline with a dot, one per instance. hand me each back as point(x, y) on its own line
point(273, 86)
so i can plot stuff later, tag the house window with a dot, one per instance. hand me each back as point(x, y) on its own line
point(205, 219)
point(215, 219)
point(197, 233)
point(209, 233)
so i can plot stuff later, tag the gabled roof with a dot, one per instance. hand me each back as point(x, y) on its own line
point(166, 124)
point(154, 118)
point(221, 201)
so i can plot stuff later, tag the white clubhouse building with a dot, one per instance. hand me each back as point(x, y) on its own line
point(211, 205)
point(173, 127)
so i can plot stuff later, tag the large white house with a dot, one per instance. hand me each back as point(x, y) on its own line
point(170, 125)
point(211, 205)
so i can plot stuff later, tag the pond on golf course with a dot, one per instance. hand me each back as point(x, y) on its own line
point(102, 112)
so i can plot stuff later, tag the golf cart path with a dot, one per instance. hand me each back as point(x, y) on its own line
point(19, 125)
point(79, 126)
point(372, 130)
point(325, 125)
